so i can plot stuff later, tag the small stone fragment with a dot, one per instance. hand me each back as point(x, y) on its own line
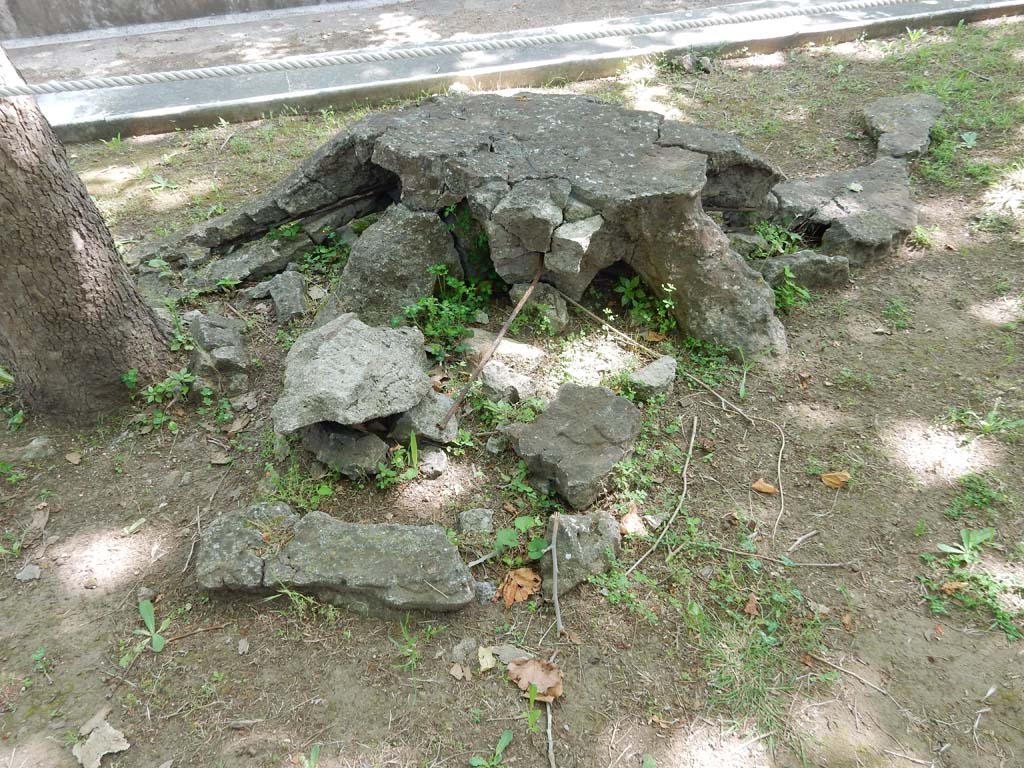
point(288, 292)
point(476, 521)
point(657, 378)
point(577, 441)
point(902, 124)
point(350, 373)
point(584, 542)
point(809, 269)
point(30, 572)
point(37, 449)
point(433, 462)
point(484, 591)
point(351, 452)
point(502, 383)
point(424, 419)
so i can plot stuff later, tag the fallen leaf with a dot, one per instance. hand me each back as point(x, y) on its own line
point(517, 586)
point(240, 423)
point(952, 587)
point(847, 621)
point(543, 674)
point(751, 607)
point(572, 636)
point(508, 653)
point(460, 672)
point(631, 523)
point(73, 458)
point(762, 487)
point(836, 480)
point(654, 336)
point(103, 740)
point(486, 658)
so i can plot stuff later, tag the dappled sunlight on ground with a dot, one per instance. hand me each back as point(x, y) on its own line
point(708, 747)
point(758, 61)
point(36, 751)
point(936, 455)
point(427, 499)
point(1006, 309)
point(402, 29)
point(1006, 197)
point(592, 358)
point(95, 563)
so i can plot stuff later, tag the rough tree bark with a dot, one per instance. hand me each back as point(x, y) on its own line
point(71, 319)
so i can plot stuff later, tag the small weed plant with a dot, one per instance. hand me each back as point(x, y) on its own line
point(646, 309)
point(402, 466)
point(497, 759)
point(780, 240)
point(151, 635)
point(977, 493)
point(789, 294)
point(443, 318)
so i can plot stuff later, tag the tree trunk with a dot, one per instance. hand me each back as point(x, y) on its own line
point(71, 319)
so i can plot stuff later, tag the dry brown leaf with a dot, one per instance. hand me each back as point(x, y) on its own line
point(762, 487)
point(517, 586)
point(952, 587)
point(239, 423)
point(836, 480)
point(460, 672)
point(632, 524)
point(73, 458)
point(847, 621)
point(751, 607)
point(654, 336)
point(543, 674)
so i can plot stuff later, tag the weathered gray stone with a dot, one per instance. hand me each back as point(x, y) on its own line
point(288, 292)
point(388, 267)
point(502, 383)
point(585, 545)
point(570, 253)
point(654, 379)
point(737, 177)
point(433, 462)
point(30, 572)
point(485, 591)
point(371, 568)
point(476, 521)
point(866, 213)
point(497, 444)
point(424, 417)
point(37, 449)
point(514, 162)
point(746, 244)
point(349, 373)
point(219, 359)
point(260, 259)
point(809, 268)
point(902, 124)
point(582, 434)
point(554, 305)
point(353, 453)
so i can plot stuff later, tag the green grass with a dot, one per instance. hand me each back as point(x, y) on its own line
point(977, 493)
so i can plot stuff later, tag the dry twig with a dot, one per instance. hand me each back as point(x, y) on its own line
point(679, 506)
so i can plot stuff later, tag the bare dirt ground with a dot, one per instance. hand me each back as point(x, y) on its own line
point(735, 651)
point(403, 22)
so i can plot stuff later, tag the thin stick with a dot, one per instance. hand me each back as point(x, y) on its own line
point(679, 506)
point(908, 758)
point(554, 586)
point(652, 353)
point(197, 631)
point(490, 351)
point(778, 475)
point(551, 741)
point(480, 560)
point(806, 537)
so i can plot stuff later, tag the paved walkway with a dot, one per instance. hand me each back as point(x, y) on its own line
point(356, 24)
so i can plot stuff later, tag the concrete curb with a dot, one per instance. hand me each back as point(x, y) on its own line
point(164, 107)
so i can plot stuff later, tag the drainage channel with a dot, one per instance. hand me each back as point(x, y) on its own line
point(158, 102)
